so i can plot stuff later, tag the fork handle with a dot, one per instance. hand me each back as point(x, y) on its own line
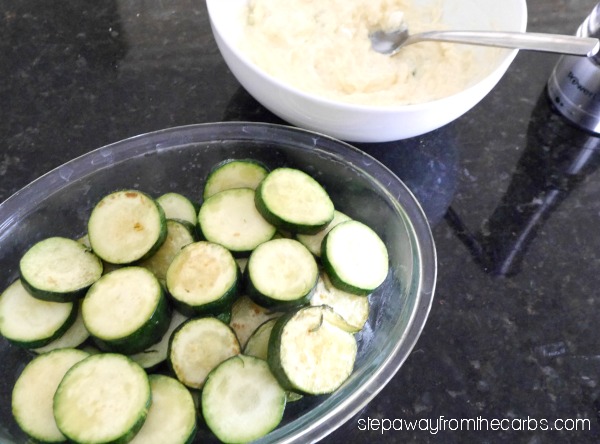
point(562, 44)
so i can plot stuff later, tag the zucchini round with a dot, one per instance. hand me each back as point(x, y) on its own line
point(281, 273)
point(293, 201)
point(309, 353)
point(31, 322)
point(126, 226)
point(102, 399)
point(203, 279)
point(242, 401)
point(198, 346)
point(33, 393)
point(126, 310)
point(58, 269)
point(355, 258)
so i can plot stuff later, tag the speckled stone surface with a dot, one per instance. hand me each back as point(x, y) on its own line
point(511, 190)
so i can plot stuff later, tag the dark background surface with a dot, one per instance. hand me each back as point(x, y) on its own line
point(513, 331)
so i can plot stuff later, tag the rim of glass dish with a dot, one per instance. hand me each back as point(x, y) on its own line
point(306, 428)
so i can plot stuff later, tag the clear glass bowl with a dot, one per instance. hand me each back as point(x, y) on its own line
point(178, 159)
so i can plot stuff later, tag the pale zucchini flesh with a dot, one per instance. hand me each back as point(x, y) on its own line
point(242, 401)
point(230, 218)
point(103, 399)
point(33, 393)
point(178, 207)
point(172, 415)
point(178, 236)
point(354, 309)
point(234, 173)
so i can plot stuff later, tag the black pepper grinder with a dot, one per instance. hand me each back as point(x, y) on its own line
point(574, 85)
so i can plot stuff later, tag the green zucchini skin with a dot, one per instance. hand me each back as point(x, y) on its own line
point(273, 304)
point(274, 352)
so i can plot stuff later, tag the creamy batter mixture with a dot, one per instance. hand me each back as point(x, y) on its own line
point(322, 47)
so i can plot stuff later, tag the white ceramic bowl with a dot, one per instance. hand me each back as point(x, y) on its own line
point(365, 123)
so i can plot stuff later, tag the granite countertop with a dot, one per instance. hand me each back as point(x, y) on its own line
point(513, 329)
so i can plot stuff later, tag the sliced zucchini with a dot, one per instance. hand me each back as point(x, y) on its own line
point(126, 226)
point(172, 415)
point(242, 173)
point(157, 353)
point(31, 322)
point(178, 236)
point(309, 353)
point(247, 316)
point(354, 309)
point(242, 401)
point(126, 310)
point(230, 218)
point(103, 399)
point(58, 269)
point(313, 241)
point(76, 335)
point(203, 279)
point(198, 346)
point(355, 258)
point(281, 273)
point(292, 200)
point(33, 393)
point(258, 342)
point(178, 207)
